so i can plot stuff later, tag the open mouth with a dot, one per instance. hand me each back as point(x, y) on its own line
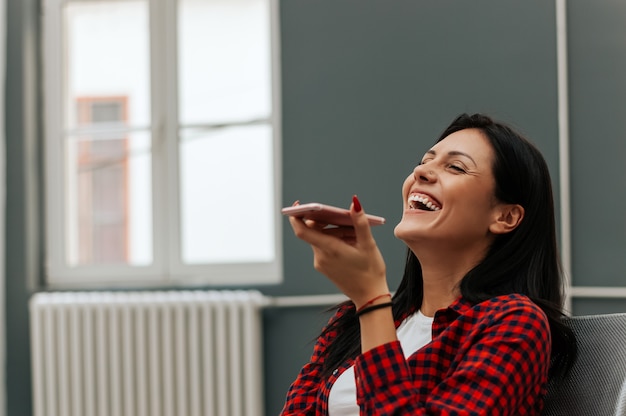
point(423, 202)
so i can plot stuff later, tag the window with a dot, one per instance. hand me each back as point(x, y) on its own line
point(162, 142)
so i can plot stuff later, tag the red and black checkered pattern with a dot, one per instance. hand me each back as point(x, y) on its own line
point(486, 359)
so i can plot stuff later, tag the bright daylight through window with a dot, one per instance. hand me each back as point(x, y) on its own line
point(161, 142)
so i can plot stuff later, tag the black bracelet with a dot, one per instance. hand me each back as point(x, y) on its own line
point(373, 308)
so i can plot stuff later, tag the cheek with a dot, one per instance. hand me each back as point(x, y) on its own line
point(475, 208)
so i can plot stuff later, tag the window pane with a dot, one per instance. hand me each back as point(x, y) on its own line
point(109, 214)
point(224, 68)
point(108, 56)
point(227, 207)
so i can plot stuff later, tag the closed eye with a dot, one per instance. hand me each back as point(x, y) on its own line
point(457, 168)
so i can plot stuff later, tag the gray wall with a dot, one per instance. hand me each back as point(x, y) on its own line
point(597, 87)
point(598, 106)
point(367, 86)
point(23, 264)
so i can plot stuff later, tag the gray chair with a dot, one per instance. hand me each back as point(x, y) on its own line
point(597, 383)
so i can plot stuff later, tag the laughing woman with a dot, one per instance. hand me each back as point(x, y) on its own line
point(475, 326)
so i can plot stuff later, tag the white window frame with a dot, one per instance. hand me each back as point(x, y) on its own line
point(167, 268)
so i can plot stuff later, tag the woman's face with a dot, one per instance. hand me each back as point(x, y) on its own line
point(449, 197)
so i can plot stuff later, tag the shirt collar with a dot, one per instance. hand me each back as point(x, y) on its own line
point(457, 308)
point(460, 305)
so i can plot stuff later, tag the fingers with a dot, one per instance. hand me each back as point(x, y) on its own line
point(309, 232)
point(362, 229)
point(300, 225)
point(320, 234)
point(346, 234)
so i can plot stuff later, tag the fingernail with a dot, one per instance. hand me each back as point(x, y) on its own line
point(296, 203)
point(357, 204)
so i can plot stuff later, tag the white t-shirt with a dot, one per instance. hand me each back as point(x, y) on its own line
point(414, 332)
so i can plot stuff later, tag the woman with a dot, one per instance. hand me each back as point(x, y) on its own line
point(474, 327)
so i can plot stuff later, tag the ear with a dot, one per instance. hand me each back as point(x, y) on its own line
point(507, 218)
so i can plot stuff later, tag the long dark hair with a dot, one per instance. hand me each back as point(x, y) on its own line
point(524, 261)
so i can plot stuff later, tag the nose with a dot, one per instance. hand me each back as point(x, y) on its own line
point(424, 173)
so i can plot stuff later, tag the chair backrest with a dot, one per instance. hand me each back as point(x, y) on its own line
point(596, 384)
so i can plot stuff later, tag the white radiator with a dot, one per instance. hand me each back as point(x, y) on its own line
point(178, 353)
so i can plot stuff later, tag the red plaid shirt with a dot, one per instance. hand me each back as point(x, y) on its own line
point(486, 359)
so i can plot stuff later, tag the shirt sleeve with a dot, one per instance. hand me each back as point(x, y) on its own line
point(501, 371)
point(302, 396)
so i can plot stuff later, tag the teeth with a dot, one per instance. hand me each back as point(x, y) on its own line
point(422, 199)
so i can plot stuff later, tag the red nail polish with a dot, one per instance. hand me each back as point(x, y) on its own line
point(357, 204)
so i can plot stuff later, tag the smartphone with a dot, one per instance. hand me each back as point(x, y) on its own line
point(327, 214)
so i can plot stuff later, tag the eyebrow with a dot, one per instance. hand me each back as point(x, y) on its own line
point(453, 153)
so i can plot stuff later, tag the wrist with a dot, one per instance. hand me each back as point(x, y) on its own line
point(372, 301)
point(372, 308)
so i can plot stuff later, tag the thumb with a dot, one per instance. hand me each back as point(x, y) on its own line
point(361, 224)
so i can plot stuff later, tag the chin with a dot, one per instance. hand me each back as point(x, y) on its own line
point(403, 231)
point(410, 231)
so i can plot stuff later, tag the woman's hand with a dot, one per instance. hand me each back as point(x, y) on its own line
point(349, 257)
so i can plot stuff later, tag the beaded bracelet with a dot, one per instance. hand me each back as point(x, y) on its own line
point(369, 302)
point(363, 311)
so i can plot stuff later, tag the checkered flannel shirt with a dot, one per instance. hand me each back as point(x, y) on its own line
point(486, 359)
